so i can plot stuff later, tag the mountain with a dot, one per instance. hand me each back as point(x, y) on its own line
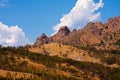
point(102, 36)
point(91, 53)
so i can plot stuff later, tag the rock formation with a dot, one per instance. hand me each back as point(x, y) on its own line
point(43, 39)
point(98, 35)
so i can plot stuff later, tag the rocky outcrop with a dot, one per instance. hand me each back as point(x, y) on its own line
point(63, 31)
point(43, 39)
point(61, 35)
point(99, 35)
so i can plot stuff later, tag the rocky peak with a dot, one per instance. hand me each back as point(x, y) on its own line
point(113, 24)
point(43, 36)
point(94, 33)
point(115, 19)
point(74, 30)
point(90, 24)
point(43, 39)
point(63, 31)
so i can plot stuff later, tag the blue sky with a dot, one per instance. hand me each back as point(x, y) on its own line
point(35, 17)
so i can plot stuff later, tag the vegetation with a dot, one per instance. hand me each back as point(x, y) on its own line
point(107, 56)
point(10, 60)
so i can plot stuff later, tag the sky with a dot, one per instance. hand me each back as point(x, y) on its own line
point(22, 21)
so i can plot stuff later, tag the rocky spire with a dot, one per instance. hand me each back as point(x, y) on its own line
point(63, 31)
point(43, 39)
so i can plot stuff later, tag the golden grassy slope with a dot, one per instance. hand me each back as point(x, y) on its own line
point(14, 74)
point(41, 67)
point(64, 51)
point(44, 67)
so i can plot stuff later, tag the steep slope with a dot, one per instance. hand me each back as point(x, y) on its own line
point(61, 35)
point(20, 64)
point(98, 35)
point(64, 51)
point(105, 58)
point(43, 39)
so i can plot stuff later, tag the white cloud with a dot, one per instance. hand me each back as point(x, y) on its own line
point(83, 12)
point(12, 36)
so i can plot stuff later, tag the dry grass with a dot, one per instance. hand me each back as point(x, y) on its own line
point(43, 68)
point(13, 74)
point(65, 52)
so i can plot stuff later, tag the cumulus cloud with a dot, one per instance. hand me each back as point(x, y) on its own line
point(83, 12)
point(12, 36)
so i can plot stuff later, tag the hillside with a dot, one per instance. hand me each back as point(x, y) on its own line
point(64, 51)
point(20, 64)
point(79, 54)
point(91, 53)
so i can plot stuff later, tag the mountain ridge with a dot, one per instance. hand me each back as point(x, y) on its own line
point(102, 36)
point(91, 53)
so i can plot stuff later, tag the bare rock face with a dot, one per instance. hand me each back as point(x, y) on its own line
point(43, 39)
point(91, 34)
point(98, 35)
point(63, 31)
point(61, 35)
